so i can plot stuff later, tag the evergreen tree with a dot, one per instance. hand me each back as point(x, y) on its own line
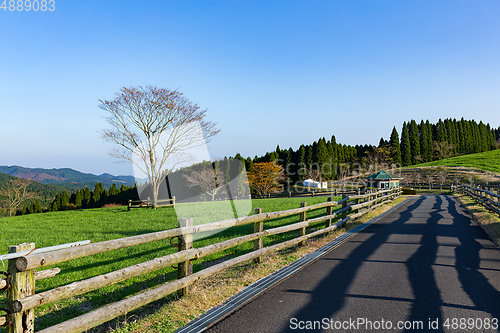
point(79, 198)
point(113, 190)
point(37, 207)
point(394, 142)
point(405, 146)
point(87, 195)
point(323, 159)
point(334, 151)
point(301, 162)
point(64, 199)
point(249, 164)
point(414, 142)
point(441, 135)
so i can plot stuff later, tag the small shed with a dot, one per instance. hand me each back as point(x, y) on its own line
point(383, 180)
point(315, 184)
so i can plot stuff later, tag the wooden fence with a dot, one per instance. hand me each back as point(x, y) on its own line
point(150, 203)
point(20, 280)
point(486, 196)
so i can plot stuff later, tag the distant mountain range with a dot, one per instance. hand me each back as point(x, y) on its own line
point(66, 177)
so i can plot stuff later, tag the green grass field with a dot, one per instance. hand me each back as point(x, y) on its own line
point(487, 161)
point(110, 223)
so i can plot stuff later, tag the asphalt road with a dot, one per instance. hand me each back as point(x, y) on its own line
point(422, 266)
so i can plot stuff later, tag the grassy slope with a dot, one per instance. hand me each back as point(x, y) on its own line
point(110, 223)
point(487, 161)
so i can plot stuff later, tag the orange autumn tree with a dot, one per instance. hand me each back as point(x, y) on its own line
point(266, 177)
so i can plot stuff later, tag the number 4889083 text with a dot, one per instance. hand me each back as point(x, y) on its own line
point(28, 5)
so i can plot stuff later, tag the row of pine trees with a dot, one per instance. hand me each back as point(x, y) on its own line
point(324, 152)
point(419, 143)
point(426, 142)
point(84, 198)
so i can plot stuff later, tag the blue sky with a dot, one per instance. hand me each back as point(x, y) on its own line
point(269, 72)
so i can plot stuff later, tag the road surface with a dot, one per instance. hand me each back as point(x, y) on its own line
point(425, 267)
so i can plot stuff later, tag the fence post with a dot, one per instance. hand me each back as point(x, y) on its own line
point(258, 227)
point(129, 204)
point(357, 201)
point(344, 205)
point(303, 217)
point(22, 285)
point(329, 211)
point(185, 267)
point(173, 201)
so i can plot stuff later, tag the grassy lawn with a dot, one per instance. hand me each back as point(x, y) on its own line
point(486, 161)
point(111, 223)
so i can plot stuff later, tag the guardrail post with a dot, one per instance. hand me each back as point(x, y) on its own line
point(185, 267)
point(329, 211)
point(303, 217)
point(22, 285)
point(344, 205)
point(258, 227)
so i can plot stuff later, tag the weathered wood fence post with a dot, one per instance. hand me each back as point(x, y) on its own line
point(185, 267)
point(344, 205)
point(129, 204)
point(329, 211)
point(303, 217)
point(258, 227)
point(22, 285)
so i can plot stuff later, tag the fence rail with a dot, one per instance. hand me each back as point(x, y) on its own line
point(22, 299)
point(149, 203)
point(486, 196)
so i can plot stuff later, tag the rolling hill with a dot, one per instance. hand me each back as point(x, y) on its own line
point(66, 177)
point(486, 161)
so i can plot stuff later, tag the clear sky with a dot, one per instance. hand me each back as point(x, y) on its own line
point(269, 72)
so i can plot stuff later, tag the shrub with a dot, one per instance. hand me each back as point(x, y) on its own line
point(409, 191)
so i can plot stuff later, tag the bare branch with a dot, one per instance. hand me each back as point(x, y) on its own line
point(154, 129)
point(17, 193)
point(210, 180)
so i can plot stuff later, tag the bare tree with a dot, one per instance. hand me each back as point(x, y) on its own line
point(343, 175)
point(210, 180)
point(442, 175)
point(314, 174)
point(16, 193)
point(379, 158)
point(417, 178)
point(443, 149)
point(429, 178)
point(155, 128)
point(408, 179)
